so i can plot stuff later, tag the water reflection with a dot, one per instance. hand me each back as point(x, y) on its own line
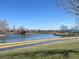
point(17, 37)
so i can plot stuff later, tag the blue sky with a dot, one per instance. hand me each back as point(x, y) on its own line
point(34, 14)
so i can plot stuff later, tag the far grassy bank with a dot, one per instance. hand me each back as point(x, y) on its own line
point(53, 51)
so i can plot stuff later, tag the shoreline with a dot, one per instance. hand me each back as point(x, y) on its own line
point(2, 35)
point(67, 40)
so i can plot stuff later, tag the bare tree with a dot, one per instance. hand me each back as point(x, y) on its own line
point(14, 29)
point(3, 26)
point(64, 28)
point(70, 6)
point(21, 30)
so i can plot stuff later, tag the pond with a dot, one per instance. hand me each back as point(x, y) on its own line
point(18, 38)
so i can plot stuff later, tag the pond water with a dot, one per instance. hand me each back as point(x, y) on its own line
point(17, 37)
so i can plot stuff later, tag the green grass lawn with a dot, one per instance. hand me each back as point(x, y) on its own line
point(52, 51)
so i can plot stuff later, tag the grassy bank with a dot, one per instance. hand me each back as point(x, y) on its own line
point(56, 51)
